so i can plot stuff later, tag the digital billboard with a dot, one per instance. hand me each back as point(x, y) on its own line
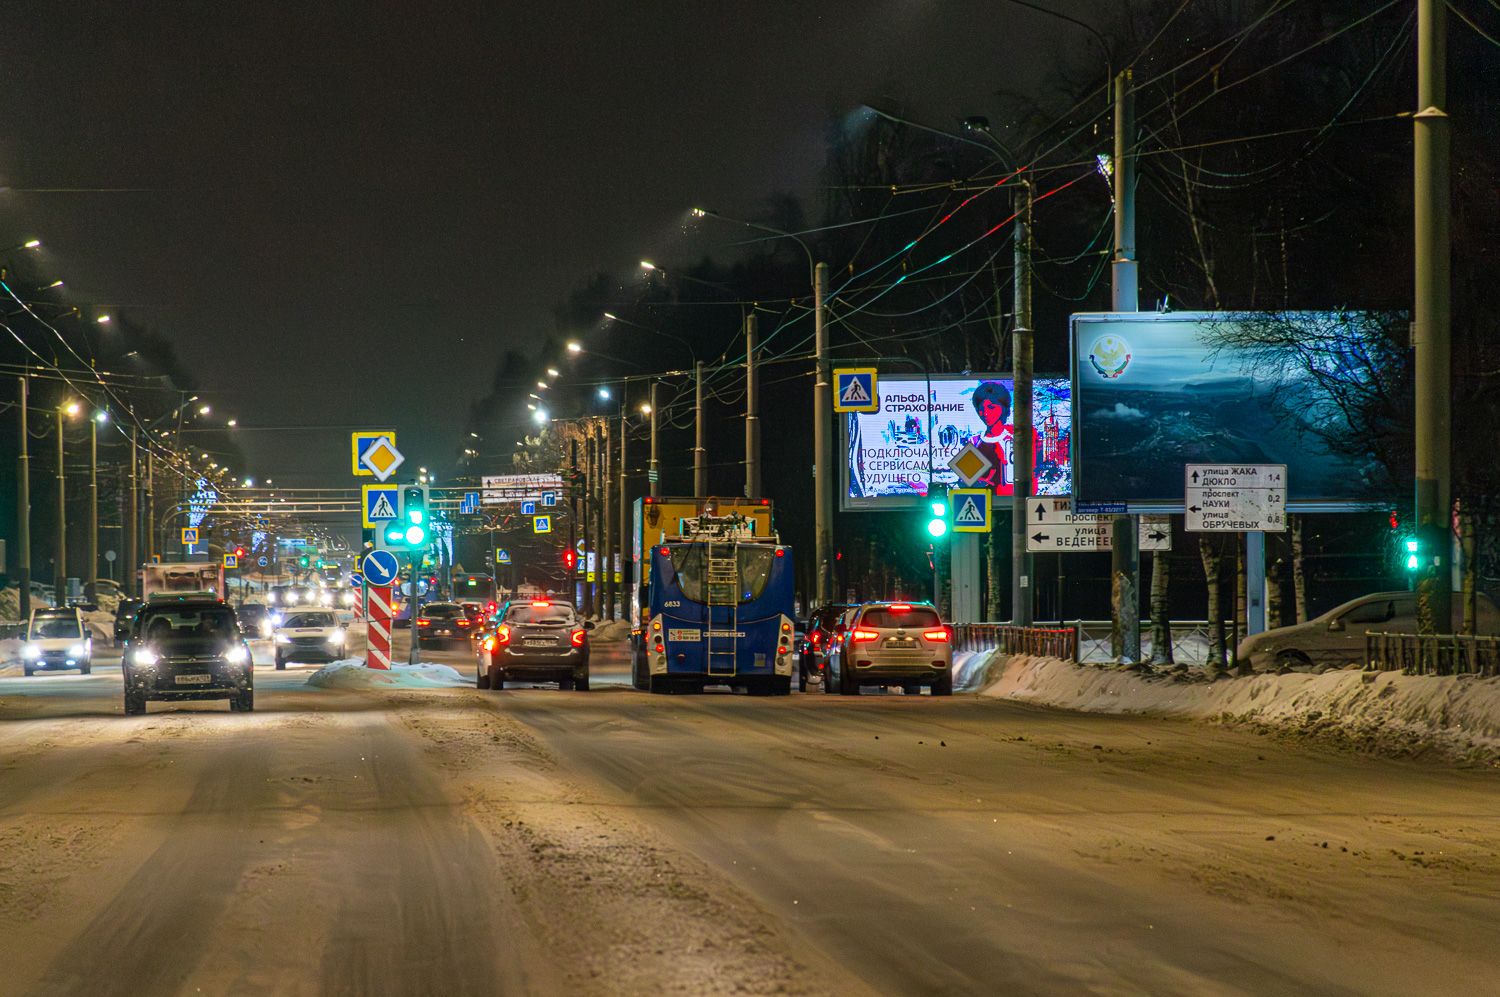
point(1156, 391)
point(888, 452)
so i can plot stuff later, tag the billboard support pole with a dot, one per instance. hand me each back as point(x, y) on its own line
point(1430, 328)
point(1255, 583)
point(1125, 558)
point(1022, 448)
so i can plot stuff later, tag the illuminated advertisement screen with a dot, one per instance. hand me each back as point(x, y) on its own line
point(1156, 391)
point(888, 453)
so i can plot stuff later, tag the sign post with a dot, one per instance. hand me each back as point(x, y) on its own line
point(378, 626)
point(1240, 498)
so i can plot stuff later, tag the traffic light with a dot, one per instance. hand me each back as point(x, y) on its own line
point(239, 552)
point(410, 528)
point(303, 561)
point(937, 505)
point(1413, 554)
point(570, 559)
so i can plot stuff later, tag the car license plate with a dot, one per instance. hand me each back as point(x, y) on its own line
point(197, 679)
point(895, 642)
point(548, 641)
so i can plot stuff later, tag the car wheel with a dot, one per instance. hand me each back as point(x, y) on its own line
point(943, 684)
point(565, 685)
point(482, 677)
point(581, 681)
point(1293, 661)
point(848, 683)
point(662, 684)
point(911, 690)
point(28, 671)
point(280, 663)
point(135, 703)
point(242, 702)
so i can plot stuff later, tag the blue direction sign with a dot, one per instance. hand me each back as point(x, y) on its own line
point(549, 498)
point(854, 390)
point(528, 509)
point(380, 567)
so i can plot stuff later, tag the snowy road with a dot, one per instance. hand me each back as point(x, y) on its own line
point(454, 842)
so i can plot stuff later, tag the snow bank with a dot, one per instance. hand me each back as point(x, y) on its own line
point(352, 674)
point(610, 630)
point(10, 650)
point(1383, 712)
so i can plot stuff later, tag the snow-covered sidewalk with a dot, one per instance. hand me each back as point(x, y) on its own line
point(1384, 712)
point(351, 674)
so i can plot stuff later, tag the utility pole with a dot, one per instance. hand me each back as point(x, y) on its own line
point(822, 446)
point(752, 412)
point(1431, 328)
point(607, 524)
point(91, 564)
point(23, 512)
point(132, 521)
point(626, 553)
point(654, 473)
point(150, 506)
point(60, 555)
point(590, 539)
point(572, 573)
point(1125, 558)
point(700, 452)
point(1023, 455)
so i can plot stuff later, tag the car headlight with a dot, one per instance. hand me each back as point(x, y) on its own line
point(267, 630)
point(283, 639)
point(78, 650)
point(337, 637)
point(31, 651)
point(237, 655)
point(145, 656)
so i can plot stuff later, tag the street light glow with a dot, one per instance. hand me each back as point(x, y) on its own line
point(542, 385)
point(574, 348)
point(72, 408)
point(541, 416)
point(612, 318)
point(204, 410)
point(646, 265)
point(102, 319)
point(101, 416)
point(646, 409)
point(232, 422)
point(34, 243)
point(551, 371)
point(55, 283)
point(603, 392)
point(699, 212)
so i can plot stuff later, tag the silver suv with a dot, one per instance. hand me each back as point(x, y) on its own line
point(893, 643)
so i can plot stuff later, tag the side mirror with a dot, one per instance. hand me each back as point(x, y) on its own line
point(588, 624)
point(1335, 626)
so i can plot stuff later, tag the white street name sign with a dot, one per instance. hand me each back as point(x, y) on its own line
point(1234, 498)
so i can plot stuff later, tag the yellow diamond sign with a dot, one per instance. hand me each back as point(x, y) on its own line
point(381, 458)
point(969, 464)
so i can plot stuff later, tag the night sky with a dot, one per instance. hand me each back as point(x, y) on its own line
point(342, 214)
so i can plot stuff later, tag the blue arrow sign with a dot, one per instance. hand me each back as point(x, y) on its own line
point(528, 508)
point(261, 561)
point(380, 567)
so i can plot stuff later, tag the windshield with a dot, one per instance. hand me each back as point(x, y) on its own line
point(737, 578)
point(445, 611)
point(891, 618)
point(551, 613)
point(56, 628)
point(309, 620)
point(473, 586)
point(180, 622)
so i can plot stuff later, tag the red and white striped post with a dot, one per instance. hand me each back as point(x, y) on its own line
point(378, 633)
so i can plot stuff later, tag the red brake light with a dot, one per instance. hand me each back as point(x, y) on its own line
point(464, 623)
point(493, 607)
point(940, 636)
point(502, 634)
point(813, 638)
point(665, 552)
point(577, 638)
point(900, 609)
point(860, 635)
point(780, 552)
point(489, 643)
point(541, 604)
point(422, 622)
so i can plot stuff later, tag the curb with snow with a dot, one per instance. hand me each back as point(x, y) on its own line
point(352, 675)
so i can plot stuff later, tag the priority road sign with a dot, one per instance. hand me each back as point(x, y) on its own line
point(970, 464)
point(854, 390)
point(379, 567)
point(231, 561)
point(381, 458)
point(541, 524)
point(971, 510)
point(1235, 498)
point(362, 441)
point(528, 508)
point(189, 535)
point(502, 557)
point(380, 504)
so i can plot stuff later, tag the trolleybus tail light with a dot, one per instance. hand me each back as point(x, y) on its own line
point(665, 552)
point(577, 638)
point(941, 636)
point(658, 649)
point(780, 552)
point(860, 635)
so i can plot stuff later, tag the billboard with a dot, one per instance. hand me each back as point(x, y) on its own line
point(1156, 391)
point(500, 489)
point(923, 423)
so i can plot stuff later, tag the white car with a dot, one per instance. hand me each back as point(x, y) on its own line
point(55, 641)
point(310, 635)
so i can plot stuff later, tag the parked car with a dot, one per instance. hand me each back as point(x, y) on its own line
point(257, 622)
point(187, 648)
point(812, 650)
point(535, 640)
point(125, 618)
point(445, 623)
point(57, 641)
point(893, 643)
point(1337, 638)
point(310, 636)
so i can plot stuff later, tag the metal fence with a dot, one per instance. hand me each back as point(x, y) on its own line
point(1085, 641)
point(1432, 654)
point(1041, 641)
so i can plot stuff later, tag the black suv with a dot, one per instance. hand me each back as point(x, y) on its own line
point(822, 630)
point(124, 618)
point(187, 647)
point(535, 640)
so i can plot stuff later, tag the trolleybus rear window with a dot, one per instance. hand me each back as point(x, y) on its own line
point(722, 581)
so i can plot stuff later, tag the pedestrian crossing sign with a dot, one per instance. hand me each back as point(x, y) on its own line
point(502, 557)
point(854, 390)
point(541, 524)
point(380, 504)
point(231, 561)
point(971, 509)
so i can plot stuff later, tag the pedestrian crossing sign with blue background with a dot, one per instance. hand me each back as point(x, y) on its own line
point(971, 509)
point(380, 504)
point(854, 390)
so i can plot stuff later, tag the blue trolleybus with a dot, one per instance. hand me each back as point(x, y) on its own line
point(718, 611)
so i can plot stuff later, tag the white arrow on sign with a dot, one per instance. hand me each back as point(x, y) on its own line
point(1154, 532)
point(1233, 498)
point(1080, 536)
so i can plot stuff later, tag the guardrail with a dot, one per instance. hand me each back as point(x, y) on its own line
point(1084, 641)
point(1041, 641)
point(1432, 654)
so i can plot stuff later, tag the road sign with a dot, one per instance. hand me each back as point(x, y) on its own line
point(362, 441)
point(190, 535)
point(382, 458)
point(1233, 498)
point(1154, 532)
point(541, 524)
point(549, 498)
point(260, 562)
point(1102, 508)
point(971, 509)
point(469, 505)
point(528, 508)
point(1052, 525)
point(651, 475)
point(854, 390)
point(230, 561)
point(502, 557)
point(380, 504)
point(380, 567)
point(378, 628)
point(969, 464)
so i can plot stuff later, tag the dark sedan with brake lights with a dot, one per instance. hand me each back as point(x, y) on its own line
point(446, 623)
point(535, 640)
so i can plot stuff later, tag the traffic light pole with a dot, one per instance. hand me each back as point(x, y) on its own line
point(416, 605)
point(1125, 563)
point(23, 513)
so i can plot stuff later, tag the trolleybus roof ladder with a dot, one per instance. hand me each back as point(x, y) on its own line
point(723, 576)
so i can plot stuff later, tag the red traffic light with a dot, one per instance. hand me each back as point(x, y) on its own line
point(239, 552)
point(570, 559)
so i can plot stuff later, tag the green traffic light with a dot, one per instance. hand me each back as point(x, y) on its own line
point(938, 527)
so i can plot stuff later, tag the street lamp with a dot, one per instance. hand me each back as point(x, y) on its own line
point(603, 392)
point(552, 372)
point(540, 416)
point(102, 319)
point(574, 348)
point(204, 410)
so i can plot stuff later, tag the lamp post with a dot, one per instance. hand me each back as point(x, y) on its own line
point(23, 511)
point(60, 553)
